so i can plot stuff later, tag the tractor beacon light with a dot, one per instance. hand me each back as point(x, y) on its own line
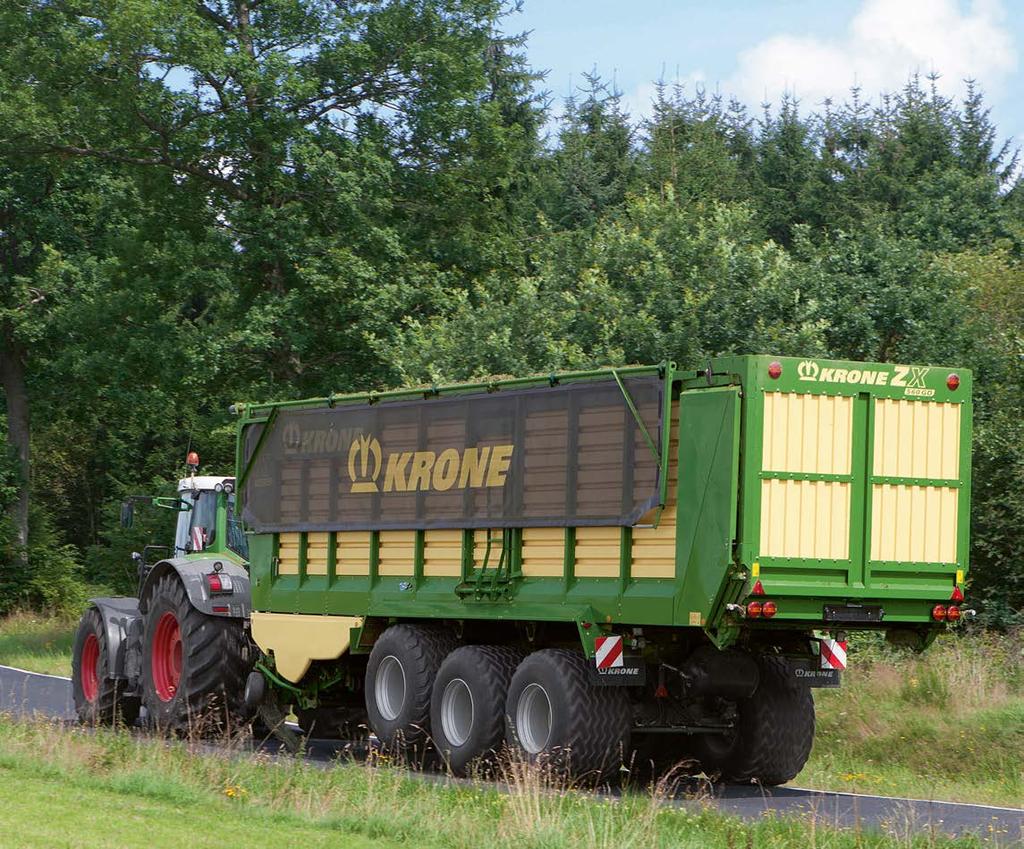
point(192, 461)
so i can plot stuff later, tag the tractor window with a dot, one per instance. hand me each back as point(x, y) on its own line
point(203, 521)
point(237, 540)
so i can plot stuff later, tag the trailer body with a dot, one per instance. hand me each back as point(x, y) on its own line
point(631, 498)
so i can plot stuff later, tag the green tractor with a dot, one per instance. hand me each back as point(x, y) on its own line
point(179, 651)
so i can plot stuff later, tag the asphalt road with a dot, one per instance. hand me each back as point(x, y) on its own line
point(27, 694)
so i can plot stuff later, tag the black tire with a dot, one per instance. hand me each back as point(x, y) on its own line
point(774, 733)
point(589, 726)
point(216, 657)
point(99, 698)
point(473, 678)
point(411, 654)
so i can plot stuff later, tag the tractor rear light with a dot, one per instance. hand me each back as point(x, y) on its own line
point(219, 583)
point(957, 594)
point(753, 610)
point(757, 589)
point(953, 382)
point(939, 613)
point(221, 609)
point(775, 370)
point(769, 609)
point(952, 613)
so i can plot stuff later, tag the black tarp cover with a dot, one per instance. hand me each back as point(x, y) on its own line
point(565, 455)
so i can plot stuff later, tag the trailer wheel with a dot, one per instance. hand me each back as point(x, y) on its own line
point(774, 732)
point(557, 715)
point(99, 698)
point(194, 666)
point(399, 679)
point(467, 709)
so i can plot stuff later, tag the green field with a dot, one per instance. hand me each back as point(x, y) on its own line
point(947, 724)
point(83, 789)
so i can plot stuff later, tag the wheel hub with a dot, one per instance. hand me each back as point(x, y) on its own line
point(457, 712)
point(389, 688)
point(167, 657)
point(533, 718)
point(90, 668)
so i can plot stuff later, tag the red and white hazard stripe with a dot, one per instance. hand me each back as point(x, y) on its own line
point(833, 654)
point(198, 539)
point(608, 652)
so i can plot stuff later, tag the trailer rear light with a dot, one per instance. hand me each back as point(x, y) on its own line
point(754, 610)
point(939, 613)
point(758, 588)
point(953, 382)
point(952, 613)
point(219, 583)
point(769, 609)
point(775, 370)
point(957, 594)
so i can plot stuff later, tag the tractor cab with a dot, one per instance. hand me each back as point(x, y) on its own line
point(207, 523)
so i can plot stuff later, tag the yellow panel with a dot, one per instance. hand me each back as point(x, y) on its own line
point(917, 439)
point(288, 554)
point(653, 551)
point(597, 552)
point(353, 553)
point(298, 639)
point(807, 433)
point(805, 519)
point(914, 524)
point(442, 553)
point(397, 553)
point(543, 552)
point(316, 553)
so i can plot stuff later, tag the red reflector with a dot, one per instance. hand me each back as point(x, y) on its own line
point(953, 382)
point(768, 609)
point(221, 609)
point(953, 613)
point(957, 595)
point(757, 588)
point(661, 692)
point(215, 583)
point(939, 612)
point(753, 610)
point(775, 371)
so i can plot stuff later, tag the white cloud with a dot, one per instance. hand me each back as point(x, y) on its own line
point(886, 42)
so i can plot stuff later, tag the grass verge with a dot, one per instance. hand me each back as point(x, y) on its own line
point(116, 789)
point(37, 643)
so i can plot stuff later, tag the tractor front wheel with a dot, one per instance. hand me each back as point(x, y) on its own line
point(99, 697)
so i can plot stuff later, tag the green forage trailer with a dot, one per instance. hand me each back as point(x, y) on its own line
point(596, 567)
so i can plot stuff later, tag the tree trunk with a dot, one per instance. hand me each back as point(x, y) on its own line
point(12, 373)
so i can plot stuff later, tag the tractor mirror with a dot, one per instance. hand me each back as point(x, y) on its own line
point(127, 514)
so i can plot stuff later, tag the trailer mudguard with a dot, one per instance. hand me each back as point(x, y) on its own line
point(121, 620)
point(192, 572)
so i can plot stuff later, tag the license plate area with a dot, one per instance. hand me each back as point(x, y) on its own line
point(853, 613)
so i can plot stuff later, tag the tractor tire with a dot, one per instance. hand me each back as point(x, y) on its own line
point(399, 682)
point(774, 732)
point(194, 666)
point(99, 698)
point(557, 716)
point(467, 709)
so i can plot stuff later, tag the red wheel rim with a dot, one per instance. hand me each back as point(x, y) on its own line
point(167, 656)
point(90, 665)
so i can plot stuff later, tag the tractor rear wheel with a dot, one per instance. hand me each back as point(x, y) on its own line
point(99, 698)
point(558, 716)
point(194, 666)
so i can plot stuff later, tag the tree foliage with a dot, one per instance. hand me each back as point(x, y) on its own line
point(263, 199)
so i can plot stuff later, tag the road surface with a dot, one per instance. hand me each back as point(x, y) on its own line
point(30, 694)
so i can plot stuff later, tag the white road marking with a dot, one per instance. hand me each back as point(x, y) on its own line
point(901, 799)
point(37, 674)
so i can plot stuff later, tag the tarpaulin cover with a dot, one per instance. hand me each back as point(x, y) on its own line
point(565, 455)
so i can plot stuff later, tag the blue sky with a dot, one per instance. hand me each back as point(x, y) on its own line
point(758, 50)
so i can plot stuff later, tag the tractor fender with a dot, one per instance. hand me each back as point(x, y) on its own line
point(122, 622)
point(192, 572)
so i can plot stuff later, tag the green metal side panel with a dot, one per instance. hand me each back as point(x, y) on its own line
point(709, 440)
